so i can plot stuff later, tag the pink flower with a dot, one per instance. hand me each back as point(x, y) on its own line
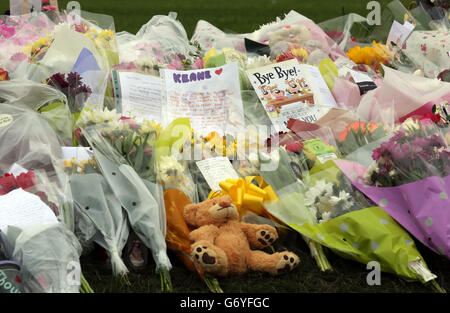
point(132, 123)
point(45, 2)
point(175, 65)
point(48, 8)
point(7, 32)
point(125, 66)
point(198, 64)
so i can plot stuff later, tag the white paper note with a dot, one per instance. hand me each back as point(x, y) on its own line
point(20, 208)
point(399, 33)
point(79, 153)
point(210, 98)
point(141, 95)
point(215, 170)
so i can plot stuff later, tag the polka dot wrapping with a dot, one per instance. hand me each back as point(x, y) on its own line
point(422, 207)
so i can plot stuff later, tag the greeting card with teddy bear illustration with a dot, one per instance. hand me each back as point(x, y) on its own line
point(291, 90)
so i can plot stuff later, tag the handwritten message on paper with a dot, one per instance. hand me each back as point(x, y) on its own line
point(21, 208)
point(141, 95)
point(210, 98)
point(215, 170)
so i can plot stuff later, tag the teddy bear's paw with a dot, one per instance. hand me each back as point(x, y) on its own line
point(266, 237)
point(288, 261)
point(211, 259)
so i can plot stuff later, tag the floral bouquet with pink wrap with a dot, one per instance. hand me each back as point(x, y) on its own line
point(401, 96)
point(409, 178)
point(18, 31)
point(148, 50)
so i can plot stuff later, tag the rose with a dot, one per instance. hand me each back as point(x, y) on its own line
point(3, 75)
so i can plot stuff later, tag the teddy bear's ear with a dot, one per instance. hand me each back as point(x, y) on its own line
point(189, 213)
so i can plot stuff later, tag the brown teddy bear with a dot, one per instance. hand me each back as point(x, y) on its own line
point(222, 244)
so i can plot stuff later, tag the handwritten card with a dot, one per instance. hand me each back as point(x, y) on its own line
point(399, 33)
point(210, 98)
point(291, 90)
point(215, 170)
point(21, 208)
point(140, 95)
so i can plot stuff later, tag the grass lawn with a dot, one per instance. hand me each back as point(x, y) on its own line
point(240, 17)
point(235, 16)
point(347, 276)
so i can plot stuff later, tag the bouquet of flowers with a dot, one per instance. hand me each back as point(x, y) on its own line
point(289, 192)
point(72, 86)
point(94, 199)
point(353, 227)
point(45, 253)
point(359, 134)
point(28, 182)
point(124, 152)
point(408, 179)
point(147, 50)
point(16, 32)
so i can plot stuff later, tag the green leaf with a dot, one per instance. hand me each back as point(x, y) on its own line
point(118, 145)
point(139, 158)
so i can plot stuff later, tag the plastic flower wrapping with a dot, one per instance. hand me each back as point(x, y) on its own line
point(18, 32)
point(418, 160)
point(365, 177)
point(124, 154)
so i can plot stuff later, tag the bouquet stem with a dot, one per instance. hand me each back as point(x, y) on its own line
point(166, 283)
point(213, 284)
point(435, 286)
point(319, 255)
point(85, 287)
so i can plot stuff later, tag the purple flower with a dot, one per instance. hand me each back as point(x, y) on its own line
point(401, 151)
point(74, 79)
point(58, 80)
point(384, 151)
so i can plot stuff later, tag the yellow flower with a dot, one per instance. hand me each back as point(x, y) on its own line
point(209, 54)
point(34, 48)
point(368, 55)
point(106, 35)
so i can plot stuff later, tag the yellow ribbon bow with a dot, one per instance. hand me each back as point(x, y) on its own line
point(246, 195)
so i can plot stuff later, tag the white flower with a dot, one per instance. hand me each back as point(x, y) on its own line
point(171, 172)
point(344, 200)
point(326, 216)
point(258, 61)
point(232, 55)
point(373, 167)
point(88, 117)
point(318, 191)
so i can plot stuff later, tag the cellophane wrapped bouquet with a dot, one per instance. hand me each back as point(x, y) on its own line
point(408, 179)
point(124, 151)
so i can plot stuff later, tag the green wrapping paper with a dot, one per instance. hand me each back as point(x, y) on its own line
point(368, 235)
point(363, 234)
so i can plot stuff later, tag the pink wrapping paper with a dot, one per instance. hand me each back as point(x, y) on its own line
point(400, 94)
point(422, 207)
